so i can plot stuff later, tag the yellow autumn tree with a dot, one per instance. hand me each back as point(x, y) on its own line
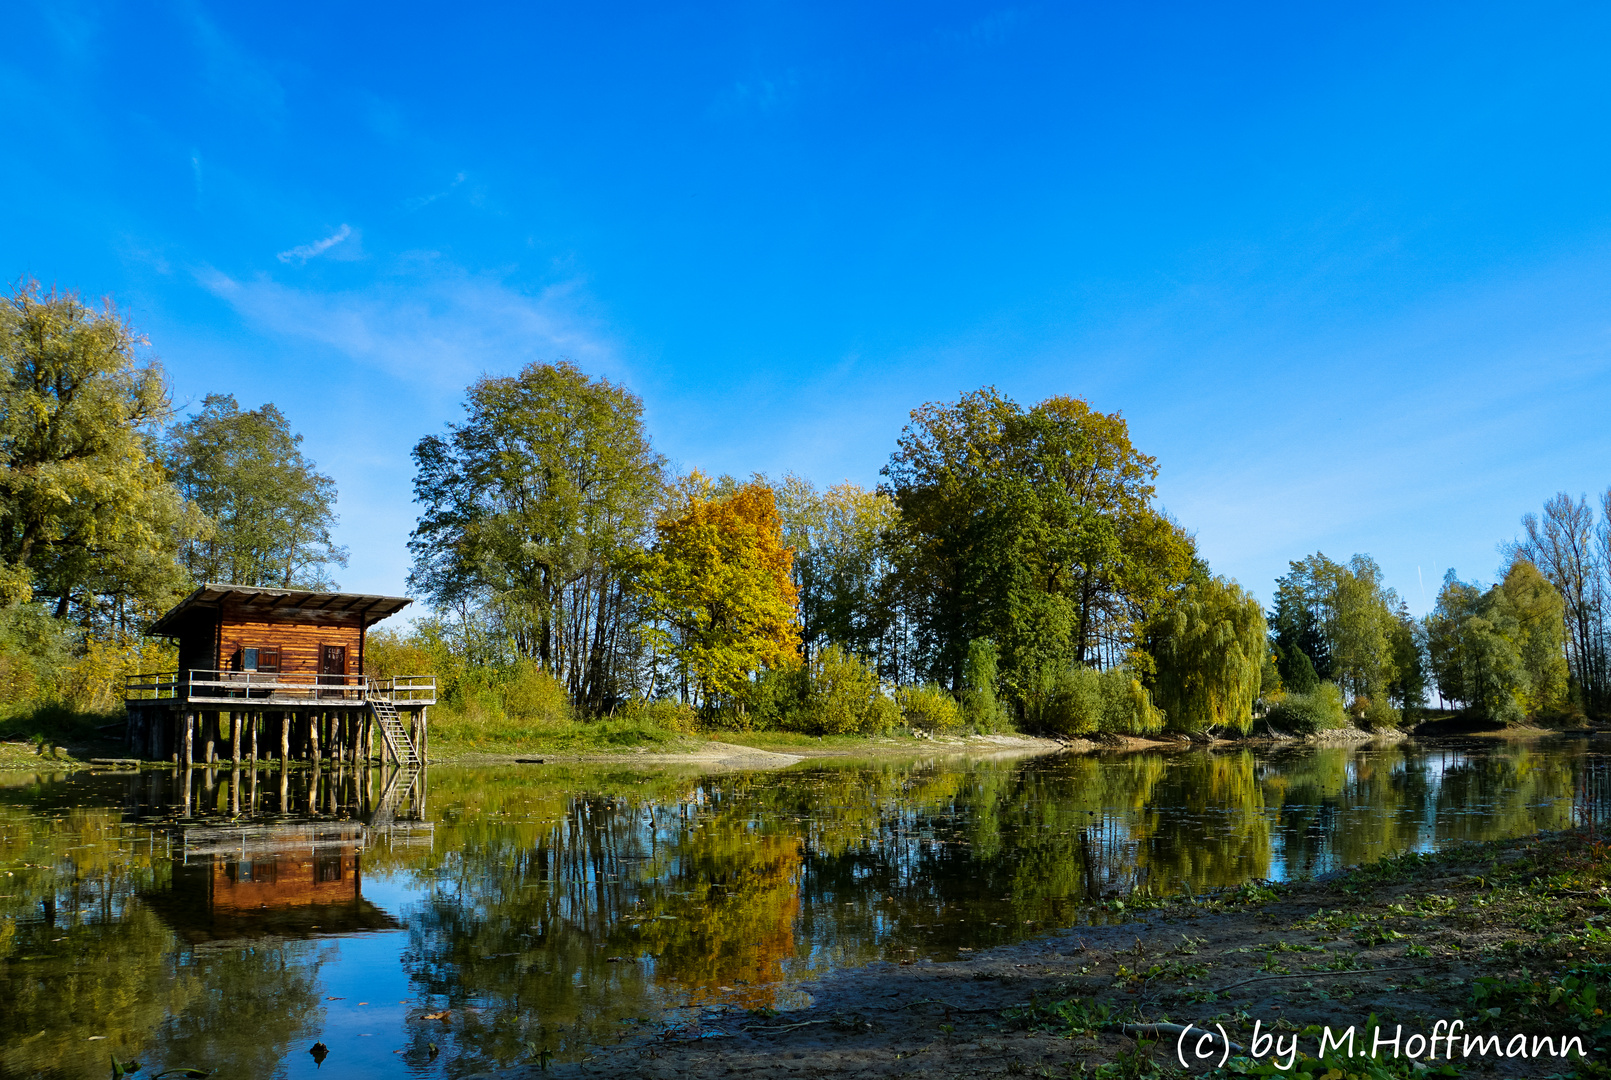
point(717, 586)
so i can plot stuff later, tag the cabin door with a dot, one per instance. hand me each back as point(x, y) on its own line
point(333, 665)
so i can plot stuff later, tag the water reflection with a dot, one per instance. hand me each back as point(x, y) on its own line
point(174, 912)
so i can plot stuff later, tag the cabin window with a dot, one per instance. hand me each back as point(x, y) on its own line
point(257, 658)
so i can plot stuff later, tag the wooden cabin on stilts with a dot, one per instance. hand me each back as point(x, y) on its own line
point(276, 673)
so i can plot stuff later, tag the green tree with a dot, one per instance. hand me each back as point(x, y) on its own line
point(535, 513)
point(1500, 653)
point(1539, 638)
point(1337, 621)
point(271, 510)
point(1562, 545)
point(1209, 647)
point(1411, 675)
point(1303, 602)
point(838, 538)
point(87, 518)
point(1035, 528)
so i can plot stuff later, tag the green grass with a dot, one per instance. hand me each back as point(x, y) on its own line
point(456, 734)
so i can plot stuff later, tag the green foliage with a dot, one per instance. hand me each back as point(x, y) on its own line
point(929, 708)
point(846, 697)
point(87, 518)
point(981, 708)
point(1500, 652)
point(271, 510)
point(840, 567)
point(1340, 623)
point(1412, 674)
point(1033, 528)
point(1306, 714)
point(1073, 701)
point(1209, 646)
point(535, 511)
point(1297, 672)
point(662, 713)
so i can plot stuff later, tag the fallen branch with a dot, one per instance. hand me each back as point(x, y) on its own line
point(1316, 975)
point(785, 1027)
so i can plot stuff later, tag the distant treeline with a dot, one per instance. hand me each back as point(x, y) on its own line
point(1012, 568)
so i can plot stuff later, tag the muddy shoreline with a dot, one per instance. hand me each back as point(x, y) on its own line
point(1402, 940)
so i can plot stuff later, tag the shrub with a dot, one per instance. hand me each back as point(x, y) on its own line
point(1077, 700)
point(1305, 714)
point(981, 709)
point(929, 708)
point(532, 694)
point(777, 697)
point(1378, 715)
point(845, 697)
point(662, 713)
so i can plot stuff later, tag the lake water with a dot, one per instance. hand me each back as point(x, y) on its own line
point(494, 913)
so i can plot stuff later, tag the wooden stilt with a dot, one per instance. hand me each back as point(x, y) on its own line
point(285, 742)
point(313, 737)
point(235, 739)
point(209, 727)
point(189, 749)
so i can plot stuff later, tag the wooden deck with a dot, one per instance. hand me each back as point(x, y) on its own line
point(254, 689)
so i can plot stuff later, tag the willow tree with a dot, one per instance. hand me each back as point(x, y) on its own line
point(87, 518)
point(533, 514)
point(717, 590)
point(1208, 644)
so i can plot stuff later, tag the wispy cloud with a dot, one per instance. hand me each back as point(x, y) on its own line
point(433, 325)
point(304, 252)
point(419, 202)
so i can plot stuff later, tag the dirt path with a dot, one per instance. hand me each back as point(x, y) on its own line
point(1403, 940)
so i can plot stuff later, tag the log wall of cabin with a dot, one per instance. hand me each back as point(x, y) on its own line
point(300, 638)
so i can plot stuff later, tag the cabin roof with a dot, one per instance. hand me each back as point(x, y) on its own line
point(211, 596)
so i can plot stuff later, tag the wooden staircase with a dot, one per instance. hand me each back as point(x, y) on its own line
point(395, 734)
point(398, 788)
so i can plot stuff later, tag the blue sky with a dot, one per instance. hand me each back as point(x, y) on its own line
point(1345, 270)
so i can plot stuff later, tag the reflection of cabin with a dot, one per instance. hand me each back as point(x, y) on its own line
point(276, 669)
point(232, 882)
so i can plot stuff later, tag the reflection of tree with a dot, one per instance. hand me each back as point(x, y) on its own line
point(82, 954)
point(554, 910)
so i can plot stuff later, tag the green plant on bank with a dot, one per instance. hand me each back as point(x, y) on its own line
point(929, 709)
point(1305, 714)
point(1073, 700)
point(981, 708)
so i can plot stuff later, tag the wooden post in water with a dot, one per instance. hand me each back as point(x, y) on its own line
point(285, 742)
point(209, 727)
point(313, 737)
point(189, 744)
point(235, 738)
point(285, 797)
point(184, 778)
point(235, 789)
point(250, 719)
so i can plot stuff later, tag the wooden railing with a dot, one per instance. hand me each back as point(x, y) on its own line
point(210, 685)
